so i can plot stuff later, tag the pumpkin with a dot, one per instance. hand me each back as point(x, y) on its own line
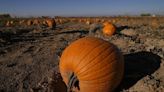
point(88, 22)
point(9, 23)
point(29, 22)
point(91, 65)
point(35, 22)
point(109, 29)
point(51, 23)
point(21, 22)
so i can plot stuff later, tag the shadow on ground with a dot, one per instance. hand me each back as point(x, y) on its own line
point(73, 31)
point(137, 66)
point(120, 28)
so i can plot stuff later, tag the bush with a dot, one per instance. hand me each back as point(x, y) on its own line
point(145, 14)
point(5, 16)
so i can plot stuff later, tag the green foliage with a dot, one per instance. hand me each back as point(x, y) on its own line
point(8, 31)
point(5, 16)
point(2, 22)
point(145, 14)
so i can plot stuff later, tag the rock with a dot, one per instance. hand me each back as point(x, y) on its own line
point(129, 32)
point(147, 84)
point(2, 41)
point(161, 43)
point(149, 48)
point(151, 42)
point(121, 43)
point(93, 28)
point(140, 86)
point(36, 31)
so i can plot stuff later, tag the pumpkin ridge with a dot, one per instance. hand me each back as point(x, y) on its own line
point(94, 59)
point(111, 80)
point(85, 75)
point(107, 84)
point(109, 65)
point(103, 79)
point(101, 76)
point(72, 58)
point(90, 61)
point(86, 55)
point(98, 72)
point(99, 62)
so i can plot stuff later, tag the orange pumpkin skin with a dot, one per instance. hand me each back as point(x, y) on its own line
point(98, 64)
point(109, 29)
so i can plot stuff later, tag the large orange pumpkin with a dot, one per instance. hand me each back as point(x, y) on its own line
point(96, 64)
point(109, 29)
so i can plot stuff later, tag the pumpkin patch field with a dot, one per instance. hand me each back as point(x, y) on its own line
point(82, 54)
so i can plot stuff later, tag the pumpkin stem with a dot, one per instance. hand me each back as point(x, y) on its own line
point(73, 82)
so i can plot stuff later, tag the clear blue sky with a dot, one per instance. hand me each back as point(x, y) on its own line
point(80, 7)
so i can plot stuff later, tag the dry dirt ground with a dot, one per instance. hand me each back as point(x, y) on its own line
point(29, 58)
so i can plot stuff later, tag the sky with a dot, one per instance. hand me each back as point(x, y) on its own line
point(80, 7)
